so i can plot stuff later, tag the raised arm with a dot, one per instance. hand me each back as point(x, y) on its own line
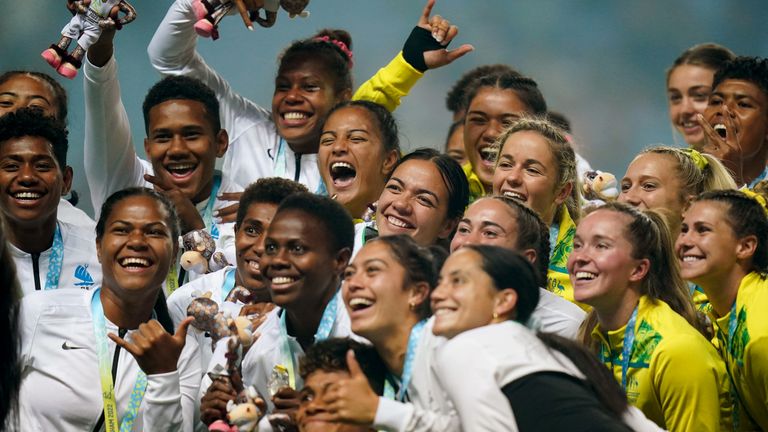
point(111, 162)
point(425, 48)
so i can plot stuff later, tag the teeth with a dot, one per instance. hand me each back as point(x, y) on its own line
point(141, 262)
point(336, 165)
point(253, 265)
point(294, 116)
point(439, 312)
point(27, 195)
point(690, 258)
point(490, 153)
point(181, 167)
point(513, 195)
point(282, 280)
point(585, 275)
point(397, 222)
point(689, 124)
point(355, 302)
point(721, 130)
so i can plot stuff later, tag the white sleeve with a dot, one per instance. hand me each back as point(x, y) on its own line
point(171, 401)
point(111, 162)
point(401, 417)
point(172, 52)
point(467, 376)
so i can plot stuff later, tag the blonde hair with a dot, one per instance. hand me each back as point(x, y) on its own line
point(695, 178)
point(651, 239)
point(561, 149)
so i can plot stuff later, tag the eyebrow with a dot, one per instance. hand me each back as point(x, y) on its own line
point(418, 191)
point(491, 223)
point(34, 96)
point(372, 260)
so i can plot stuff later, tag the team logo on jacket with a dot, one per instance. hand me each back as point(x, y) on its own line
point(214, 232)
point(81, 274)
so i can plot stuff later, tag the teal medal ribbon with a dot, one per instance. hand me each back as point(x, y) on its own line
point(208, 212)
point(105, 375)
point(56, 261)
point(229, 284)
point(626, 349)
point(323, 332)
point(410, 355)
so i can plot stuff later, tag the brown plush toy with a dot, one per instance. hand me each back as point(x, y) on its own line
point(200, 255)
point(90, 18)
point(600, 185)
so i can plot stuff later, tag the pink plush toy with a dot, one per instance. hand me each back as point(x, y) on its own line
point(90, 18)
point(209, 13)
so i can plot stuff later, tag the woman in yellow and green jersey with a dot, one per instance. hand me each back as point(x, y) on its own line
point(723, 248)
point(642, 322)
point(537, 166)
point(494, 102)
point(667, 178)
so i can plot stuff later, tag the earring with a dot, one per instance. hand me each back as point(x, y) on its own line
point(412, 305)
point(495, 315)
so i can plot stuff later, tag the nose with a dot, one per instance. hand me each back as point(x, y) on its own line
point(293, 95)
point(629, 196)
point(136, 240)
point(178, 147)
point(514, 176)
point(27, 175)
point(402, 204)
point(493, 131)
point(340, 146)
point(258, 246)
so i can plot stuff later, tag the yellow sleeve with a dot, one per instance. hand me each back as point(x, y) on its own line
point(756, 375)
point(689, 384)
point(390, 84)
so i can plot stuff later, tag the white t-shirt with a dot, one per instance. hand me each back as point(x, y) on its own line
point(554, 314)
point(72, 215)
point(61, 390)
point(80, 267)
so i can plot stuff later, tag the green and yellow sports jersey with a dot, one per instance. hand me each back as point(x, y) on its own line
point(674, 375)
point(561, 246)
point(745, 350)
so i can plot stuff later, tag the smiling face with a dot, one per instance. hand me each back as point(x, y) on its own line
point(487, 221)
point(652, 182)
point(415, 203)
point(313, 411)
point(528, 172)
point(137, 247)
point(601, 265)
point(374, 293)
point(749, 107)
point(489, 113)
point(303, 96)
point(688, 90)
point(707, 245)
point(24, 90)
point(465, 296)
point(298, 264)
point(182, 146)
point(352, 160)
point(249, 244)
point(31, 180)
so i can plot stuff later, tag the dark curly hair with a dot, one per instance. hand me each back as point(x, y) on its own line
point(32, 122)
point(334, 221)
point(330, 355)
point(751, 69)
point(336, 61)
point(182, 87)
point(270, 190)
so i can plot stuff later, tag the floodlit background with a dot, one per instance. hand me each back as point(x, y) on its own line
point(601, 63)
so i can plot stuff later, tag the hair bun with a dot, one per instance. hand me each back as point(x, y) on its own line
point(336, 35)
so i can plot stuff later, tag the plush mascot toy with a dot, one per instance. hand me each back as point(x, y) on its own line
point(200, 255)
point(209, 13)
point(90, 18)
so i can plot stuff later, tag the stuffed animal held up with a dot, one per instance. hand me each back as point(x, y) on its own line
point(90, 18)
point(200, 255)
point(209, 13)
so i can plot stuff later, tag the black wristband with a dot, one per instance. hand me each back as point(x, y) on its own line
point(419, 41)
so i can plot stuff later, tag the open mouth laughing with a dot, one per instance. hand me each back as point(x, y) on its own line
point(342, 174)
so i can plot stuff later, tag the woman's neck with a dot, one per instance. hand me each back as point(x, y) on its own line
point(128, 310)
point(34, 238)
point(721, 290)
point(302, 321)
point(615, 315)
point(392, 345)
